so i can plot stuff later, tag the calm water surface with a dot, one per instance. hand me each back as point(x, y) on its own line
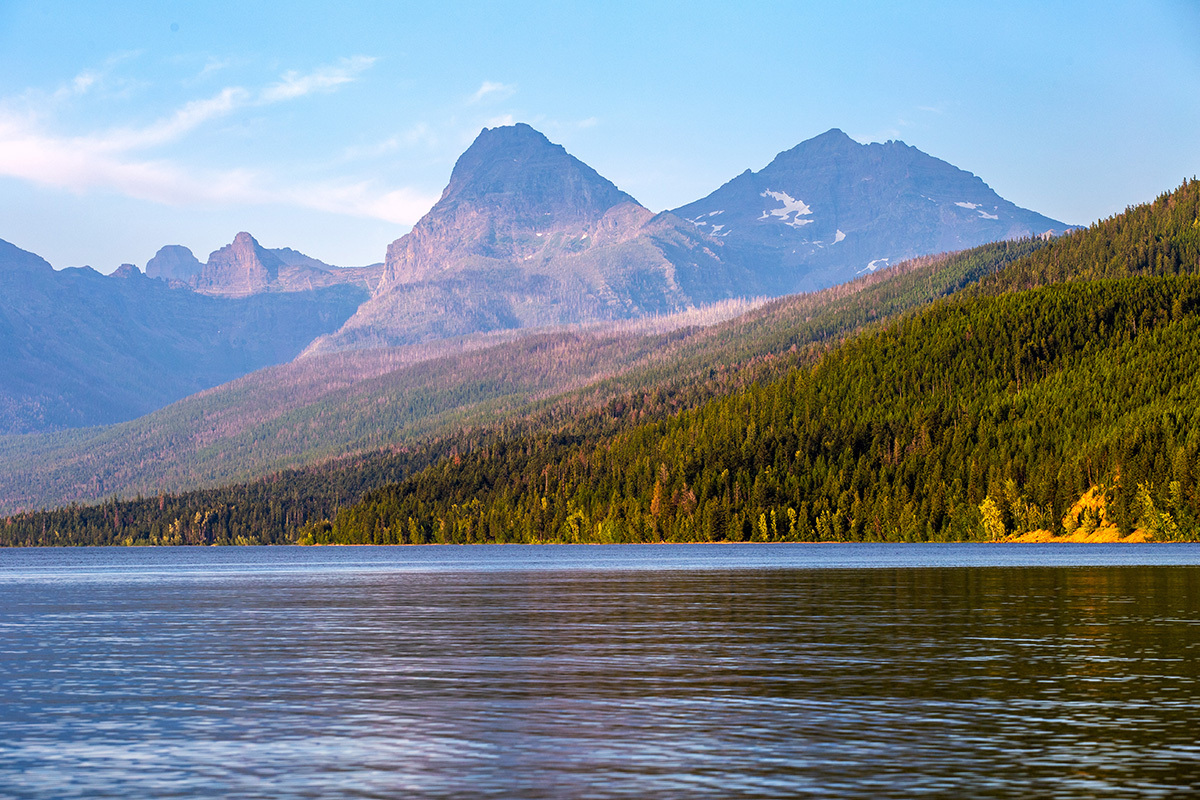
point(649, 672)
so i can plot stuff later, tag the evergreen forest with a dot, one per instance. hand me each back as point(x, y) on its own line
point(977, 396)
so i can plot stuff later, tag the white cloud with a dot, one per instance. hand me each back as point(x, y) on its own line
point(497, 91)
point(81, 165)
point(399, 206)
point(214, 65)
point(83, 81)
point(590, 122)
point(324, 78)
point(499, 122)
point(114, 160)
point(186, 119)
point(416, 136)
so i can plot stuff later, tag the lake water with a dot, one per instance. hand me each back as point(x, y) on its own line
point(715, 671)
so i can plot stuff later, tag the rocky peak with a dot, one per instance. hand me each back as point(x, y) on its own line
point(508, 192)
point(126, 272)
point(517, 172)
point(242, 267)
point(173, 263)
point(830, 208)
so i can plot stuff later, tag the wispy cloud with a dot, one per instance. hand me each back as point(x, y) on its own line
point(81, 165)
point(117, 160)
point(492, 90)
point(213, 66)
point(295, 85)
point(90, 80)
point(416, 136)
point(164, 131)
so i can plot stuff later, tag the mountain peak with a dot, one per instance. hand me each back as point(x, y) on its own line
point(515, 171)
point(174, 262)
point(241, 267)
point(511, 188)
point(13, 259)
point(126, 272)
point(831, 208)
point(830, 144)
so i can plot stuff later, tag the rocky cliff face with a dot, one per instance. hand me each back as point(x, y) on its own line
point(244, 267)
point(527, 235)
point(831, 208)
point(174, 263)
point(240, 268)
point(508, 192)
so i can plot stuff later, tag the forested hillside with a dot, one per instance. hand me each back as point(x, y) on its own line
point(1025, 400)
point(332, 405)
point(457, 403)
point(1072, 369)
point(986, 414)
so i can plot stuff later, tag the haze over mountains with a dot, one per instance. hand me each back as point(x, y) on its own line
point(80, 348)
point(524, 236)
point(245, 267)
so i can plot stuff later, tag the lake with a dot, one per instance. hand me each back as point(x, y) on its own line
point(666, 671)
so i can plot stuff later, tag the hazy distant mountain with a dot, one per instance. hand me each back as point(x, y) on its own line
point(174, 263)
point(245, 267)
point(527, 235)
point(524, 235)
point(831, 208)
point(81, 348)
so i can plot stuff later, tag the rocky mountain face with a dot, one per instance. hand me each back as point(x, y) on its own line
point(831, 208)
point(244, 267)
point(527, 235)
point(524, 236)
point(79, 348)
point(240, 268)
point(174, 263)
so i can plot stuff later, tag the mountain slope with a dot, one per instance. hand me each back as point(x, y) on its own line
point(831, 208)
point(353, 402)
point(1010, 406)
point(526, 235)
point(996, 412)
point(80, 348)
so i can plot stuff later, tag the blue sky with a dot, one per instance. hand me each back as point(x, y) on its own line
point(331, 128)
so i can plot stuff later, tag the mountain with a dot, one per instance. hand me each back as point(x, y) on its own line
point(241, 267)
point(1053, 392)
point(174, 263)
point(80, 348)
point(831, 208)
point(526, 235)
point(352, 402)
point(244, 267)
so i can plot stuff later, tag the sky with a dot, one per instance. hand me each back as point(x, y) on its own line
point(331, 128)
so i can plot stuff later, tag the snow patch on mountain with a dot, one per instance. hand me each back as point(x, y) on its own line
point(978, 209)
point(837, 237)
point(791, 208)
point(878, 263)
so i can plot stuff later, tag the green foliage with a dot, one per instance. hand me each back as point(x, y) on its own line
point(1070, 385)
point(853, 419)
point(332, 405)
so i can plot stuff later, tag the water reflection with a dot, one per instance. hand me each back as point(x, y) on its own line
point(983, 682)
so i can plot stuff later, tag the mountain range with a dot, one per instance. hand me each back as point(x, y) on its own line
point(831, 208)
point(1039, 389)
point(525, 236)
